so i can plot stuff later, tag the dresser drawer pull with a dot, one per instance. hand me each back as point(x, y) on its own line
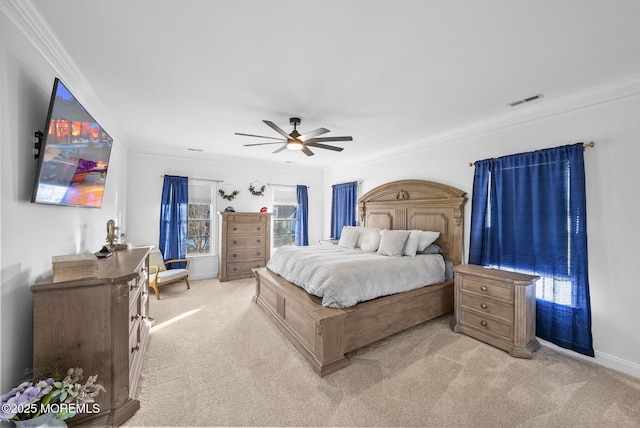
point(235, 242)
point(235, 228)
point(484, 306)
point(234, 268)
point(258, 228)
point(257, 253)
point(484, 288)
point(483, 323)
point(258, 241)
point(234, 255)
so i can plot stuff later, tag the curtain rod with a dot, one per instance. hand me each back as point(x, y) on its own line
point(589, 144)
point(285, 185)
point(201, 179)
point(358, 182)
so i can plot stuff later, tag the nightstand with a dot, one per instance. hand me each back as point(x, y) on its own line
point(497, 307)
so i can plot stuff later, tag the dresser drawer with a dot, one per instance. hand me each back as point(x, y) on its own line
point(134, 341)
point(135, 312)
point(246, 218)
point(244, 267)
point(246, 229)
point(245, 241)
point(488, 305)
point(478, 322)
point(487, 287)
point(245, 254)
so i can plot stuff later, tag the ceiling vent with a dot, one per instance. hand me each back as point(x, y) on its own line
point(525, 100)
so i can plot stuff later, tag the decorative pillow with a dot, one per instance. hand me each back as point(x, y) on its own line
point(427, 238)
point(364, 232)
point(370, 242)
point(431, 249)
point(411, 246)
point(392, 242)
point(349, 237)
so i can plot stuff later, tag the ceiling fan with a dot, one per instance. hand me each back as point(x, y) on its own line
point(297, 141)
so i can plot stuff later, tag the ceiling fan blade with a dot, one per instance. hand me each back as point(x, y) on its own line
point(264, 144)
point(278, 150)
point(313, 133)
point(324, 146)
point(259, 136)
point(325, 139)
point(306, 151)
point(276, 128)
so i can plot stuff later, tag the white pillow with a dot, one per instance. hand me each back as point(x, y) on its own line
point(427, 238)
point(411, 246)
point(370, 242)
point(349, 237)
point(392, 242)
point(366, 231)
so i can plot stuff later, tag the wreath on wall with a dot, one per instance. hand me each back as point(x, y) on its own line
point(228, 196)
point(255, 192)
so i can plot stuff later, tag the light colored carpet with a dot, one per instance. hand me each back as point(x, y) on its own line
point(215, 360)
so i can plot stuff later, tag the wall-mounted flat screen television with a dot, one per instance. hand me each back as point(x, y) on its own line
point(74, 155)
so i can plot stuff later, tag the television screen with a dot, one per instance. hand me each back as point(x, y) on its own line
point(74, 155)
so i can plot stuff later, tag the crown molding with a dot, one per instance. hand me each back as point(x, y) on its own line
point(30, 22)
point(545, 108)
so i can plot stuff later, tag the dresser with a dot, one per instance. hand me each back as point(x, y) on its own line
point(98, 324)
point(497, 307)
point(245, 244)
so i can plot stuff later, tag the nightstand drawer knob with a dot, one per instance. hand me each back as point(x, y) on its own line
point(484, 288)
point(483, 323)
point(484, 306)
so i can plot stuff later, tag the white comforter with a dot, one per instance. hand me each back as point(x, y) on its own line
point(344, 277)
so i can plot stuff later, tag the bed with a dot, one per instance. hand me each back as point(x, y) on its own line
point(324, 335)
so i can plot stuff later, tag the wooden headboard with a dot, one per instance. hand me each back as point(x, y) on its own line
point(418, 204)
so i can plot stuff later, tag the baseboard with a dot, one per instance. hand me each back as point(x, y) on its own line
point(601, 358)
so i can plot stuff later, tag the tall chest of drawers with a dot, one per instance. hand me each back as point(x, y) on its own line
point(245, 244)
point(98, 324)
point(497, 307)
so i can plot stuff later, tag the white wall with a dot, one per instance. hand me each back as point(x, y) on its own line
point(31, 234)
point(612, 178)
point(145, 191)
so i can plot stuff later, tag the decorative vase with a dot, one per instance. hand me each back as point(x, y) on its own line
point(46, 420)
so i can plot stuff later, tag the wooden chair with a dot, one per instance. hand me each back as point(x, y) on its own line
point(160, 275)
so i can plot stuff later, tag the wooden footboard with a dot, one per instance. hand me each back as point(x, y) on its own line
point(324, 335)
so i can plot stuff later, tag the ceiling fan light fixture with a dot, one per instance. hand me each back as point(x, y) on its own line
point(294, 145)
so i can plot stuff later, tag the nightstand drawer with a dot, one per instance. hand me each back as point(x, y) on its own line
point(487, 287)
point(487, 305)
point(477, 321)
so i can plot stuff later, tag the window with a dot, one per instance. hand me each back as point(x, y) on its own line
point(284, 217)
point(529, 215)
point(201, 224)
point(199, 229)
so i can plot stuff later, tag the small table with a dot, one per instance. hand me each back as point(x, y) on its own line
point(497, 307)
